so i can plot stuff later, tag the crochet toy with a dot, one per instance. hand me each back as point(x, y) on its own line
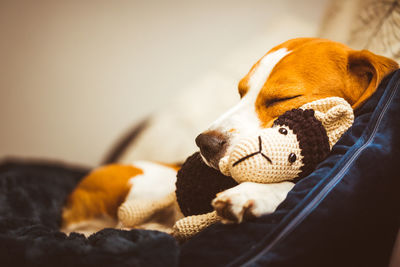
point(288, 151)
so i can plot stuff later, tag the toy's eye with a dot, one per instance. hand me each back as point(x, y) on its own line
point(282, 131)
point(292, 157)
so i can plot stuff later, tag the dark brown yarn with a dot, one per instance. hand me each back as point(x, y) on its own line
point(311, 135)
point(197, 184)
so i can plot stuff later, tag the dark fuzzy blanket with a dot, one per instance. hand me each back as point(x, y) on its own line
point(31, 199)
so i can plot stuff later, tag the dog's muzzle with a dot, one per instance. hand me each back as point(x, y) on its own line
point(212, 146)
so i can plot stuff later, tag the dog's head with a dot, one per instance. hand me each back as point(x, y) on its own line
point(296, 72)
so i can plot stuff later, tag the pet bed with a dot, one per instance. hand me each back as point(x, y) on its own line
point(343, 214)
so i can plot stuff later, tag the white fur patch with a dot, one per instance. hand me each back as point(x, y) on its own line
point(243, 116)
point(156, 182)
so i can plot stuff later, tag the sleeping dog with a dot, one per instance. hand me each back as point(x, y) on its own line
point(290, 75)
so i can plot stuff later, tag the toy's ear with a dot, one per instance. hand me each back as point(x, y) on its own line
point(365, 71)
point(335, 114)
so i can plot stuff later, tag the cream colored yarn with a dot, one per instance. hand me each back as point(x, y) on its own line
point(257, 169)
point(187, 227)
point(335, 114)
point(137, 211)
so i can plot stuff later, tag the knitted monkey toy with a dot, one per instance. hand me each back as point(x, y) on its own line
point(288, 151)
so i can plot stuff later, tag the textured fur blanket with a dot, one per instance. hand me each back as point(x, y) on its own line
point(31, 199)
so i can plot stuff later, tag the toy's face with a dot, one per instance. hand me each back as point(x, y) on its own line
point(272, 156)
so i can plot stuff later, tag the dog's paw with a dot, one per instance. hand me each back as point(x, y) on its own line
point(249, 200)
point(233, 207)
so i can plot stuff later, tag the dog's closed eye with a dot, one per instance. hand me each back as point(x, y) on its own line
point(273, 101)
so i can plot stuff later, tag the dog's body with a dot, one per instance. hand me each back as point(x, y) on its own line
point(294, 73)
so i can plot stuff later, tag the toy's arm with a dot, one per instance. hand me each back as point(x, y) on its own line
point(187, 227)
point(249, 200)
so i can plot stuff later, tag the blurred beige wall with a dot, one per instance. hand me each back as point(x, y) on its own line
point(74, 75)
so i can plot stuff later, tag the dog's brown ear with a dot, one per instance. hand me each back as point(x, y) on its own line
point(366, 70)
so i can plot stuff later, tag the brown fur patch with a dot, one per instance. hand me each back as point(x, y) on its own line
point(316, 69)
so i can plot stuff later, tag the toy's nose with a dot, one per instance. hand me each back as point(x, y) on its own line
point(212, 145)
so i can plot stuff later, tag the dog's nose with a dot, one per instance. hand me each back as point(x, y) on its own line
point(212, 144)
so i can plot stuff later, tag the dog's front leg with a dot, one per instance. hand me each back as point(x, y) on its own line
point(248, 200)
